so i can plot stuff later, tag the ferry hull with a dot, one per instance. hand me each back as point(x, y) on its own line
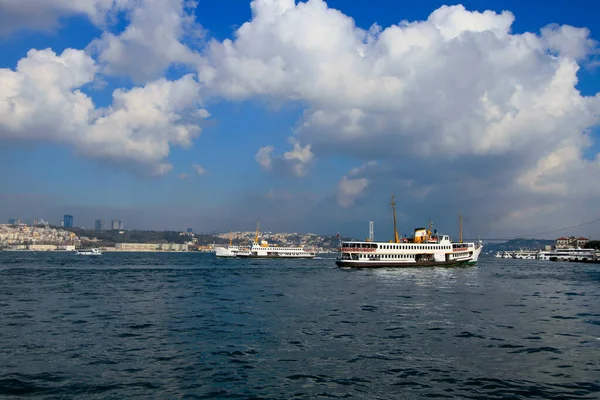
point(308, 256)
point(387, 264)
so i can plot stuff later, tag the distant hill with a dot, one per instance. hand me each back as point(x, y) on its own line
point(517, 244)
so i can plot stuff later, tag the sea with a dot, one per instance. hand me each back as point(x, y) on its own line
point(190, 326)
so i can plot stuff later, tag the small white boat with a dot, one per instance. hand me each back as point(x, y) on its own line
point(89, 252)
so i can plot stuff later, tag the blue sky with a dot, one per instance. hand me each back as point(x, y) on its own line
point(299, 118)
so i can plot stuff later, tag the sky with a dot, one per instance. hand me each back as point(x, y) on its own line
point(305, 116)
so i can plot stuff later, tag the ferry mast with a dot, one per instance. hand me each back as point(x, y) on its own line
point(393, 203)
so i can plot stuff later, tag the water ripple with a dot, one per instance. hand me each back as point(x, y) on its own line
point(191, 326)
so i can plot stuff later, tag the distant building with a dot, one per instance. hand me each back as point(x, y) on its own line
point(98, 225)
point(173, 247)
point(567, 242)
point(136, 246)
point(116, 224)
point(68, 221)
point(190, 230)
point(12, 221)
point(42, 247)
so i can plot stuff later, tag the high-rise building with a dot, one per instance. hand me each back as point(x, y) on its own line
point(68, 221)
point(116, 224)
point(12, 221)
point(98, 224)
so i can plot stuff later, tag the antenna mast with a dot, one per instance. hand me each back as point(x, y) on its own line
point(460, 228)
point(393, 203)
point(257, 227)
point(370, 231)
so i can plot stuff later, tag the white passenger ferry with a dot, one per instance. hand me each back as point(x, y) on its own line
point(89, 252)
point(262, 249)
point(424, 249)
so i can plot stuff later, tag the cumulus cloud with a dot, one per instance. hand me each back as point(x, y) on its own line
point(457, 90)
point(151, 42)
point(569, 41)
point(296, 161)
point(41, 101)
point(45, 15)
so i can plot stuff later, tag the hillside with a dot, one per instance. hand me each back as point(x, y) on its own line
point(517, 244)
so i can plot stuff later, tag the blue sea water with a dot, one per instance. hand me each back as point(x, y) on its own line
point(157, 325)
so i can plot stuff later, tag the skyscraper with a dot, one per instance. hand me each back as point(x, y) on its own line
point(116, 224)
point(98, 224)
point(68, 221)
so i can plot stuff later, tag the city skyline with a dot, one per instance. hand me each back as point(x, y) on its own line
point(306, 116)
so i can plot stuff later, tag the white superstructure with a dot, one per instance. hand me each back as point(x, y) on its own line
point(426, 248)
point(572, 254)
point(226, 251)
point(526, 255)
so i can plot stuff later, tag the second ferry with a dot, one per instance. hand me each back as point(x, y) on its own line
point(425, 249)
point(262, 249)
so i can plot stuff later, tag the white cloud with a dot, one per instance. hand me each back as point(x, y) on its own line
point(41, 101)
point(296, 161)
point(349, 189)
point(298, 158)
point(362, 168)
point(263, 157)
point(458, 90)
point(44, 15)
point(569, 41)
point(151, 42)
point(144, 122)
point(199, 170)
point(41, 98)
